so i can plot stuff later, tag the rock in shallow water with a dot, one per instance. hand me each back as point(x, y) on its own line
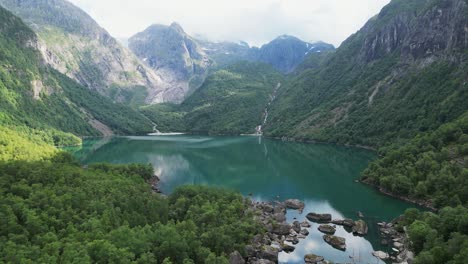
point(360, 228)
point(344, 222)
point(319, 218)
point(313, 259)
point(327, 229)
point(294, 204)
point(335, 241)
point(381, 255)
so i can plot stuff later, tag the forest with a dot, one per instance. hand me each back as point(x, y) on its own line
point(54, 211)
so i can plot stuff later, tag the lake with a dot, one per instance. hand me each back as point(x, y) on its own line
point(323, 176)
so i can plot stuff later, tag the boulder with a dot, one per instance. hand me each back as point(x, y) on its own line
point(360, 228)
point(327, 229)
point(266, 207)
point(319, 218)
point(236, 258)
point(288, 248)
point(305, 224)
point(335, 241)
point(304, 232)
point(296, 226)
point(262, 261)
point(281, 229)
point(279, 217)
point(344, 222)
point(292, 239)
point(381, 255)
point(280, 208)
point(313, 259)
point(294, 204)
point(269, 253)
point(250, 251)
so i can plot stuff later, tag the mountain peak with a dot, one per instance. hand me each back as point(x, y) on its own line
point(177, 27)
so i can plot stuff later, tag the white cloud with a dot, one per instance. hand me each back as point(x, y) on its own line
point(254, 21)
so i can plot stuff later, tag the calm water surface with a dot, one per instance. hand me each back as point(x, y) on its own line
point(323, 176)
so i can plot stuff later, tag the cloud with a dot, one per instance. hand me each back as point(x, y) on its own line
point(254, 21)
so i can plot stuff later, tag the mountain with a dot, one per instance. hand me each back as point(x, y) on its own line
point(75, 45)
point(186, 60)
point(285, 53)
point(231, 101)
point(36, 99)
point(403, 73)
point(168, 49)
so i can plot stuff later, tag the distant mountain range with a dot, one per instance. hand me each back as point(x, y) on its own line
point(172, 50)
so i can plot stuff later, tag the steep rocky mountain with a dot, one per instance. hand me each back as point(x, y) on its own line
point(168, 49)
point(232, 100)
point(75, 45)
point(188, 60)
point(403, 73)
point(285, 53)
point(36, 97)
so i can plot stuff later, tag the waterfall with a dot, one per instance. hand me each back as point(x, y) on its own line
point(258, 129)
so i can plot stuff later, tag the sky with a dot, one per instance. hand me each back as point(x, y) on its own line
point(254, 21)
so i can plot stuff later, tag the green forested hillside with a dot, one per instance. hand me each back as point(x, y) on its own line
point(380, 87)
point(36, 96)
point(432, 166)
point(400, 85)
point(54, 211)
point(231, 101)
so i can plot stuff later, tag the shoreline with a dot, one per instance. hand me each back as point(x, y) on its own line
point(422, 203)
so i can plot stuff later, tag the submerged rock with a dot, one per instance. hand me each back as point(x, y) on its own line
point(360, 228)
point(319, 218)
point(305, 224)
point(335, 241)
point(313, 259)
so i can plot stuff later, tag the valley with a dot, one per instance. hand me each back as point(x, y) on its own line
point(228, 131)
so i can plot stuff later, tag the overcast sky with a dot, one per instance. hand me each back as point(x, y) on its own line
point(254, 21)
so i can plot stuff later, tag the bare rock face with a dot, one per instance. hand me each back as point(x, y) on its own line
point(442, 27)
point(74, 44)
point(168, 49)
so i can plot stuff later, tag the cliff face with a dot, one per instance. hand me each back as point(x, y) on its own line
point(74, 44)
point(417, 33)
point(169, 50)
point(404, 72)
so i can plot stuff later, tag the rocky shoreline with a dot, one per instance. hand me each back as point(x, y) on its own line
point(280, 236)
